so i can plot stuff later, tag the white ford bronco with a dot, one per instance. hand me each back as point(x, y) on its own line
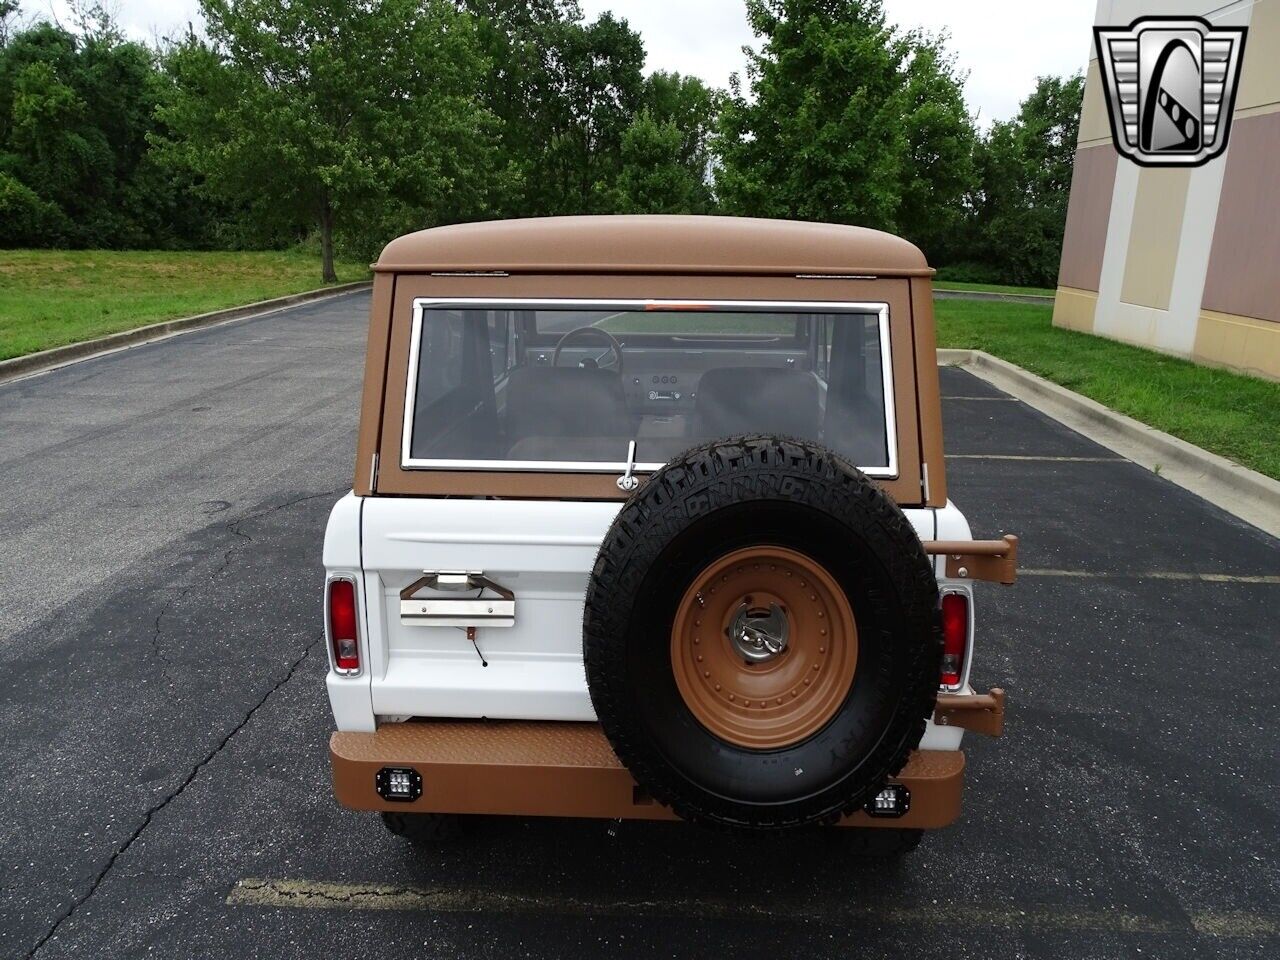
point(650, 520)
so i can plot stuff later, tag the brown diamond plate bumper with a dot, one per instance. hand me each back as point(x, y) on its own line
point(560, 769)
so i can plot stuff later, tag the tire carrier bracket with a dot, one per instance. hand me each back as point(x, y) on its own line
point(993, 560)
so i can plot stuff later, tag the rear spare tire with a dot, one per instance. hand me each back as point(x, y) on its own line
point(761, 635)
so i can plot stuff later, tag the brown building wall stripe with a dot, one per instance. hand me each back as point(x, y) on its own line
point(1243, 277)
point(1088, 212)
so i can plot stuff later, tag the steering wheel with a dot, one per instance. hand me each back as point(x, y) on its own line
point(589, 333)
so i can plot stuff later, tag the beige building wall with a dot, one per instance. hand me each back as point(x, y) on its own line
point(1186, 261)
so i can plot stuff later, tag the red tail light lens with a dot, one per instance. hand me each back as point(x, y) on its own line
point(342, 625)
point(955, 637)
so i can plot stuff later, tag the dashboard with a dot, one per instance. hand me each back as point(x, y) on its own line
point(664, 382)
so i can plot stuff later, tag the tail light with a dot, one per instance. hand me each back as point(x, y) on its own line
point(344, 639)
point(955, 637)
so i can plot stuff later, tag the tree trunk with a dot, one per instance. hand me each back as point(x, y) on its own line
point(326, 241)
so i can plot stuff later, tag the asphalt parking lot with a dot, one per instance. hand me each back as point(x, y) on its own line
point(165, 726)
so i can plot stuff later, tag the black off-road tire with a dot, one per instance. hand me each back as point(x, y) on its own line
point(736, 493)
point(424, 828)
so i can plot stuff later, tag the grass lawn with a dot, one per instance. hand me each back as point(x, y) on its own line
point(1235, 416)
point(52, 297)
point(992, 288)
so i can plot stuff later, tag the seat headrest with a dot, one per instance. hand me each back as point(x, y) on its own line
point(736, 400)
point(564, 402)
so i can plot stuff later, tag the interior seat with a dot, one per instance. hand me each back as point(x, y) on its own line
point(566, 413)
point(737, 400)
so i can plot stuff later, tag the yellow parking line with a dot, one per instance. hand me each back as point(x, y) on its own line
point(328, 895)
point(1234, 923)
point(1154, 575)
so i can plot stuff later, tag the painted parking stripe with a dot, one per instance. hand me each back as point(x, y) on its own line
point(1153, 575)
point(1033, 457)
point(328, 895)
point(998, 399)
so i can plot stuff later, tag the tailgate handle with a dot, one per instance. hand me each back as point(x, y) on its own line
point(476, 611)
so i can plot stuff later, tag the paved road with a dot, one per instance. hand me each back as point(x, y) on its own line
point(944, 294)
point(164, 720)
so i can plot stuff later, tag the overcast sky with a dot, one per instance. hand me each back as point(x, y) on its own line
point(1003, 44)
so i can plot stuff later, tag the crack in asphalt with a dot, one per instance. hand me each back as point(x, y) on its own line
point(157, 807)
point(157, 650)
point(233, 527)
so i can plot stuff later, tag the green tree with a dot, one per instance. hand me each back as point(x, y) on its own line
point(938, 172)
point(654, 177)
point(520, 39)
point(692, 108)
point(334, 114)
point(1023, 180)
point(566, 91)
point(665, 154)
point(75, 109)
point(847, 119)
point(598, 84)
point(49, 131)
point(26, 220)
point(9, 12)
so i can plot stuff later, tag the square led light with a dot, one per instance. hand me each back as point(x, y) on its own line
point(400, 784)
point(893, 801)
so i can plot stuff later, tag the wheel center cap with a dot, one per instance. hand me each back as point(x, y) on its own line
point(759, 634)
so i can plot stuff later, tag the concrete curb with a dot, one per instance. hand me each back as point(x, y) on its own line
point(1245, 493)
point(943, 294)
point(32, 363)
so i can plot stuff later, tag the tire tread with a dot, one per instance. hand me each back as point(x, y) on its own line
point(758, 467)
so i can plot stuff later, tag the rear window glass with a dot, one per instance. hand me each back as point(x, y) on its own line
point(672, 322)
point(567, 387)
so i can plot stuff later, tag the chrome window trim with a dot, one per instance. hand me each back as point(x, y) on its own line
point(422, 304)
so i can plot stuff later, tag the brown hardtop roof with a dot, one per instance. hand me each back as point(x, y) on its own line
point(653, 244)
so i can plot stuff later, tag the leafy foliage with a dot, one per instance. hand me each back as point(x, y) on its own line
point(653, 179)
point(74, 163)
point(566, 92)
point(351, 114)
point(665, 155)
point(1019, 205)
point(340, 124)
point(846, 119)
point(940, 143)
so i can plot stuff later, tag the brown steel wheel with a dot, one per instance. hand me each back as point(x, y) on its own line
point(761, 635)
point(750, 686)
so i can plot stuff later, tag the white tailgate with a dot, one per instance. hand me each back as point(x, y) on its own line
point(543, 551)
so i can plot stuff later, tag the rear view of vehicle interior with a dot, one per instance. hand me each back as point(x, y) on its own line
point(506, 387)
